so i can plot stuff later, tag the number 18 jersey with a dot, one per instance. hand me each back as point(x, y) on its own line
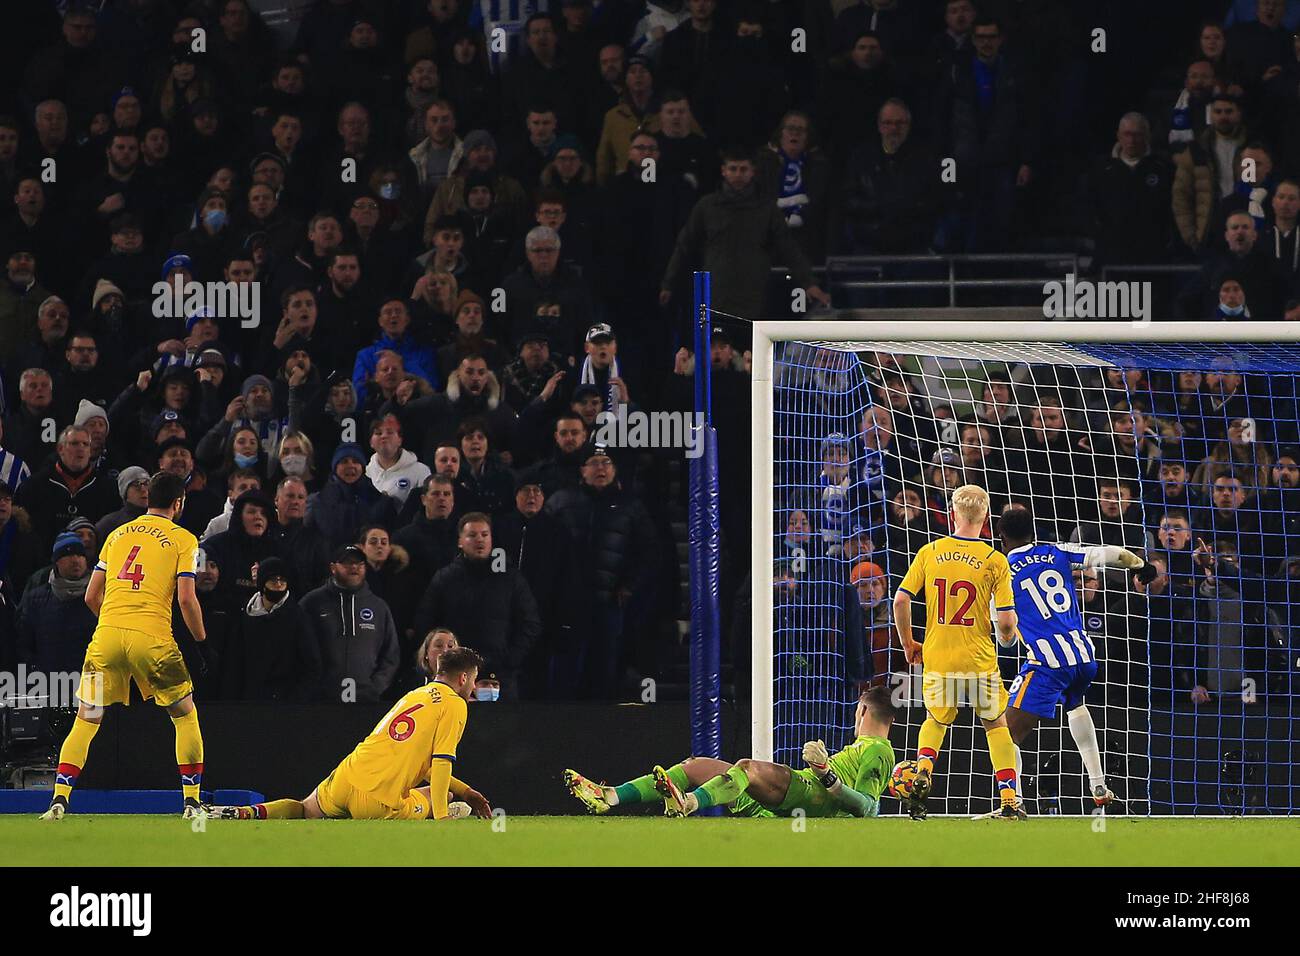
point(1047, 605)
point(141, 561)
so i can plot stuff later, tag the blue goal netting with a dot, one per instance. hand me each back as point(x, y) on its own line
point(1186, 454)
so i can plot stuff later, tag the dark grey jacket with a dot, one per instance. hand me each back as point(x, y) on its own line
point(352, 637)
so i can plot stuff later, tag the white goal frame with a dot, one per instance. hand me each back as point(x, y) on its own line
point(985, 325)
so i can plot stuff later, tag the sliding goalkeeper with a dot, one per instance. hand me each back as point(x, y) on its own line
point(848, 783)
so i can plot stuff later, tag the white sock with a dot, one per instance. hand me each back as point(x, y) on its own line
point(1084, 733)
point(1020, 787)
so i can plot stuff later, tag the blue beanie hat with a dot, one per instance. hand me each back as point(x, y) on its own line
point(347, 450)
point(69, 542)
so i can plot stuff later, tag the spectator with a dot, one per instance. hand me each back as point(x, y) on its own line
point(68, 487)
point(484, 600)
point(348, 499)
point(264, 656)
point(484, 484)
point(19, 555)
point(1206, 170)
point(352, 639)
point(388, 572)
point(890, 202)
point(238, 482)
point(238, 550)
point(612, 537)
point(430, 538)
point(54, 623)
point(392, 469)
point(1191, 113)
point(1131, 198)
point(794, 172)
point(472, 392)
point(29, 426)
point(988, 124)
point(305, 550)
point(395, 336)
point(133, 487)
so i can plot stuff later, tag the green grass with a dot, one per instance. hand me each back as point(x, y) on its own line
point(649, 841)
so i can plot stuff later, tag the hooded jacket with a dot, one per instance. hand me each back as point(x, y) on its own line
point(351, 637)
point(398, 480)
point(235, 552)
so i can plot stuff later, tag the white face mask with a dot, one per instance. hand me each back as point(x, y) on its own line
point(294, 464)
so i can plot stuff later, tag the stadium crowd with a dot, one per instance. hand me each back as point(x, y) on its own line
point(453, 233)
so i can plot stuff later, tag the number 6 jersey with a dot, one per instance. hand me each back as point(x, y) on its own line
point(141, 561)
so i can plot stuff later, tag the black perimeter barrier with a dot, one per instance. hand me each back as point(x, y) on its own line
point(515, 752)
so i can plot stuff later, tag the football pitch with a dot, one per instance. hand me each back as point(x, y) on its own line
point(650, 841)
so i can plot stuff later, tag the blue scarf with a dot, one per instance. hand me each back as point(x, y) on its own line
point(986, 78)
point(793, 199)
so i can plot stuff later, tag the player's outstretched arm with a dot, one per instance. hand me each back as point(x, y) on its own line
point(1113, 556)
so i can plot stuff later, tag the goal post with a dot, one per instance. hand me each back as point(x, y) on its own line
point(934, 386)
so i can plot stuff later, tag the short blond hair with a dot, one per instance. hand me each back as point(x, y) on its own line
point(970, 503)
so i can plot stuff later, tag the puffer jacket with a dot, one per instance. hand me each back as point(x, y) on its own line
point(613, 537)
point(351, 637)
point(1195, 193)
point(491, 611)
point(338, 510)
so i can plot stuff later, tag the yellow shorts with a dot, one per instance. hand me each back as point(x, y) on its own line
point(339, 800)
point(943, 693)
point(117, 654)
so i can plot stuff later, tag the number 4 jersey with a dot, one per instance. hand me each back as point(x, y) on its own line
point(141, 561)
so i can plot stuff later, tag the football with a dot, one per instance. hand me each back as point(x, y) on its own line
point(900, 781)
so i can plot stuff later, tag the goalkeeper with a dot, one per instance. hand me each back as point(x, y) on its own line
point(849, 783)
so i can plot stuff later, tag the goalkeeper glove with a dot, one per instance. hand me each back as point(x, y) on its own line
point(817, 759)
point(458, 810)
point(1147, 573)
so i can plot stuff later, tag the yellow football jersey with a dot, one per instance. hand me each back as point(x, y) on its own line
point(959, 578)
point(141, 561)
point(426, 723)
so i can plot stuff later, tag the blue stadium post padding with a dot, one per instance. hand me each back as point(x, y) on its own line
point(121, 801)
point(705, 552)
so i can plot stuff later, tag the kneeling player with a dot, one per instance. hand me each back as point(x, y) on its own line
point(846, 784)
point(414, 742)
point(1060, 659)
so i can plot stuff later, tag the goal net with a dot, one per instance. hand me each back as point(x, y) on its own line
point(1153, 439)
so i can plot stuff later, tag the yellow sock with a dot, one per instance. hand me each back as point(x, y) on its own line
point(189, 753)
point(72, 757)
point(1002, 751)
point(277, 810)
point(931, 739)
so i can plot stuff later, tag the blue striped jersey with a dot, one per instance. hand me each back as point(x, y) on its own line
point(1047, 605)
